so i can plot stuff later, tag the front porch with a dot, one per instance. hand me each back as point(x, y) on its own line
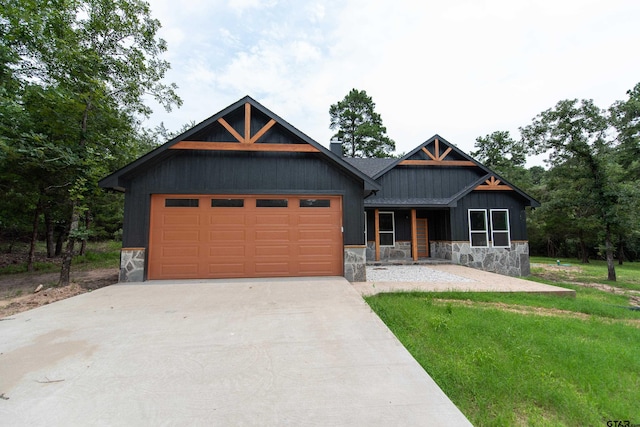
point(423, 236)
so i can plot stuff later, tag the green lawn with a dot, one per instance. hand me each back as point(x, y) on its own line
point(517, 359)
point(628, 274)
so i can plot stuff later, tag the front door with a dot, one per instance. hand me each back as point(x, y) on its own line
point(422, 231)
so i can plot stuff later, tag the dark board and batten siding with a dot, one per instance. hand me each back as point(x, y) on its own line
point(434, 183)
point(218, 172)
point(490, 200)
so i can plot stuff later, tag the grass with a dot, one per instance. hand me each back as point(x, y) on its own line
point(525, 359)
point(628, 274)
point(98, 255)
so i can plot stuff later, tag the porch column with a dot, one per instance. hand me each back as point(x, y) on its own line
point(377, 230)
point(414, 235)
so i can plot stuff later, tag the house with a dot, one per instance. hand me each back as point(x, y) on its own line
point(246, 194)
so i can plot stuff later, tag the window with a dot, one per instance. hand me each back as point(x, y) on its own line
point(478, 233)
point(386, 229)
point(500, 228)
point(227, 203)
point(315, 203)
point(181, 203)
point(272, 203)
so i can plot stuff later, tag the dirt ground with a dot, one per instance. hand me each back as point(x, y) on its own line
point(17, 292)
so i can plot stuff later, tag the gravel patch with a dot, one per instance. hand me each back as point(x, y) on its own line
point(410, 273)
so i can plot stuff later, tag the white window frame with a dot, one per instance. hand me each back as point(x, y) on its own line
point(494, 231)
point(365, 227)
point(393, 229)
point(485, 231)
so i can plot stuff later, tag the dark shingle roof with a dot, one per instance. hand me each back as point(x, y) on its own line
point(413, 202)
point(369, 166)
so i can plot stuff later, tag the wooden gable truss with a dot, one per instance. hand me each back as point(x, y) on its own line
point(246, 142)
point(436, 158)
point(493, 184)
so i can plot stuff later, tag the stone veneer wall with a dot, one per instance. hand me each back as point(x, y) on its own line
point(401, 251)
point(513, 261)
point(355, 263)
point(132, 264)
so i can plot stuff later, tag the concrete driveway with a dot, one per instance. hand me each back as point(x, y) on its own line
point(219, 352)
point(448, 277)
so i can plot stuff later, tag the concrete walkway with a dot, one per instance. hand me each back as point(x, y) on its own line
point(447, 277)
point(272, 352)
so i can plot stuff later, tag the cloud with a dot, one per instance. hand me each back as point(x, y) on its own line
point(459, 68)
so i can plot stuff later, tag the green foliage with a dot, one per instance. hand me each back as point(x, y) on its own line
point(502, 154)
point(359, 127)
point(102, 254)
point(75, 77)
point(590, 195)
point(503, 365)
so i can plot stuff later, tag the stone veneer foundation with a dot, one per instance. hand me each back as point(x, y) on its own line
point(401, 251)
point(355, 263)
point(132, 265)
point(513, 261)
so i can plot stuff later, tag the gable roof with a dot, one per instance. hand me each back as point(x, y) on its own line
point(193, 139)
point(370, 166)
point(421, 156)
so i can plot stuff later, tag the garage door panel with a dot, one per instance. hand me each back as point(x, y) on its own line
point(272, 268)
point(316, 250)
point(281, 235)
point(316, 235)
point(232, 237)
point(180, 270)
point(227, 251)
point(272, 250)
point(237, 218)
point(273, 219)
point(226, 269)
point(169, 236)
point(169, 252)
point(317, 219)
point(227, 236)
point(181, 220)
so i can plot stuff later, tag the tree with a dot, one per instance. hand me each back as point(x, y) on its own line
point(574, 134)
point(504, 155)
point(359, 127)
point(91, 63)
point(625, 118)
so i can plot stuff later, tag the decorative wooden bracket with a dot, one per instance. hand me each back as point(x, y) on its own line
point(436, 156)
point(247, 138)
point(437, 159)
point(493, 184)
point(247, 141)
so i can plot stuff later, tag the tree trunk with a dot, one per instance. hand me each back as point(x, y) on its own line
point(62, 236)
point(611, 268)
point(48, 223)
point(584, 252)
point(621, 254)
point(87, 224)
point(34, 236)
point(551, 251)
point(65, 271)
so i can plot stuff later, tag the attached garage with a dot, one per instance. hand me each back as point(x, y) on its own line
point(213, 236)
point(242, 194)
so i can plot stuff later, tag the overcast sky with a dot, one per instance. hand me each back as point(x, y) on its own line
point(461, 69)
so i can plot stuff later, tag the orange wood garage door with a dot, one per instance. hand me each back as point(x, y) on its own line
point(197, 236)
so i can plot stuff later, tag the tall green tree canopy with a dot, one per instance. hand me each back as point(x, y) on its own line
point(574, 134)
point(359, 127)
point(76, 76)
